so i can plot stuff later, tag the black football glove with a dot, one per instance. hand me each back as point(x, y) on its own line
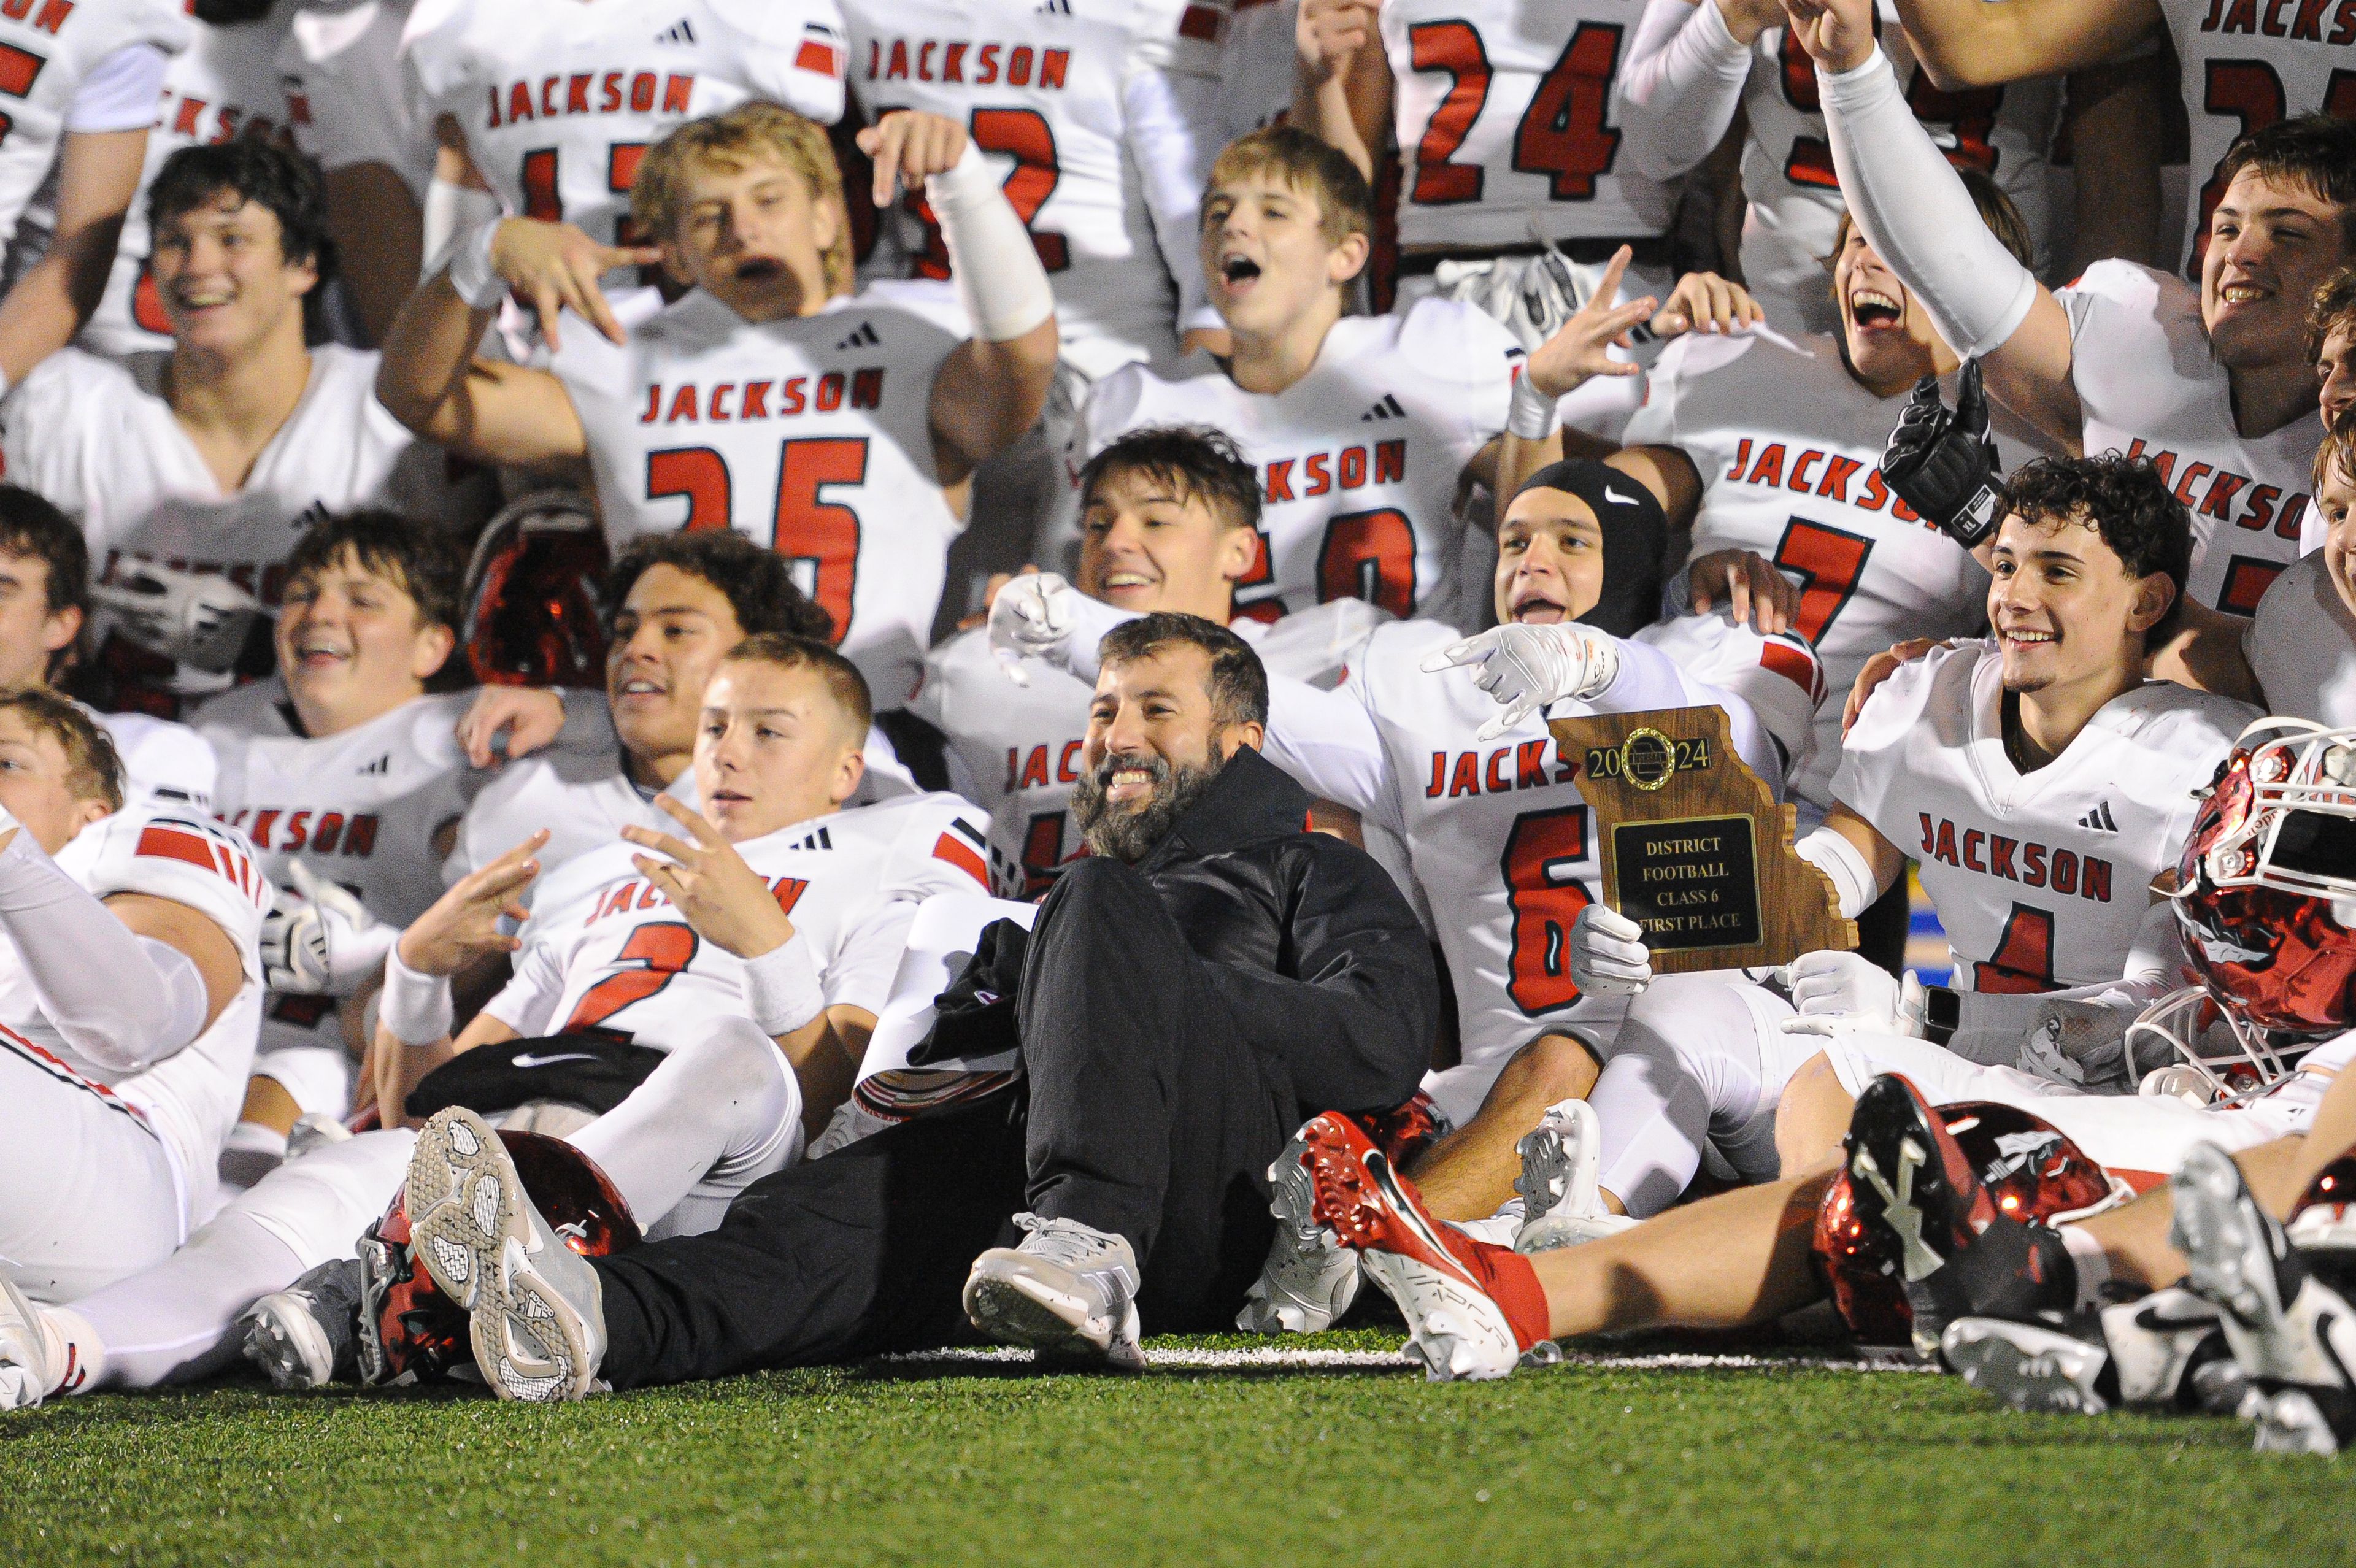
point(1943, 464)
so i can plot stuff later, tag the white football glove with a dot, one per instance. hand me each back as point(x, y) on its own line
point(1032, 617)
point(189, 618)
point(1844, 993)
point(319, 940)
point(1526, 668)
point(1608, 956)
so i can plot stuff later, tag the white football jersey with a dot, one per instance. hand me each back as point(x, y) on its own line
point(164, 763)
point(1498, 837)
point(1359, 460)
point(1021, 745)
point(191, 1099)
point(2246, 64)
point(1103, 114)
point(98, 440)
point(1787, 164)
point(46, 47)
point(813, 435)
point(2150, 388)
point(1503, 113)
point(2043, 879)
point(2302, 647)
point(224, 84)
point(361, 809)
point(605, 948)
point(559, 103)
point(347, 96)
point(1788, 446)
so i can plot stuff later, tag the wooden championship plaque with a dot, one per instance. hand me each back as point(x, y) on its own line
point(1694, 847)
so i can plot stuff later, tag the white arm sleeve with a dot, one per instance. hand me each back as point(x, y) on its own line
point(1328, 742)
point(998, 278)
point(451, 211)
point(1647, 677)
point(120, 92)
point(121, 1001)
point(1091, 620)
point(1680, 88)
point(1836, 857)
point(1913, 208)
point(1173, 134)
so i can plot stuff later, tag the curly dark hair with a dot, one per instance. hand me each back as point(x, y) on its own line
point(757, 583)
point(2127, 503)
point(416, 555)
point(1196, 461)
point(2317, 152)
point(1238, 682)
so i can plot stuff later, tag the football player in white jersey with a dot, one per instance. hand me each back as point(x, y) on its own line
point(771, 934)
point(886, 416)
point(1693, 66)
point(2042, 783)
point(194, 472)
point(2214, 386)
point(132, 988)
point(224, 84)
point(1101, 121)
point(349, 778)
point(2243, 68)
point(2301, 646)
point(79, 84)
point(1169, 520)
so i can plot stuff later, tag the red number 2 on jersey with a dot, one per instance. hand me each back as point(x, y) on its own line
point(659, 951)
point(1562, 135)
point(1024, 135)
point(1829, 563)
point(1543, 909)
point(819, 534)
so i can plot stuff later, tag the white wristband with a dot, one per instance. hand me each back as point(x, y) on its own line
point(781, 987)
point(1830, 851)
point(1532, 415)
point(416, 1008)
point(992, 262)
point(471, 276)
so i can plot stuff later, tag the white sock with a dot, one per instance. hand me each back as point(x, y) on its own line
point(2093, 1264)
point(76, 1354)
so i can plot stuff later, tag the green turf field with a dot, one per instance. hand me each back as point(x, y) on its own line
point(983, 1462)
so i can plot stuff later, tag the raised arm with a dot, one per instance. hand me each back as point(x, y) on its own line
point(98, 174)
point(1969, 42)
point(416, 1011)
point(1341, 81)
point(1682, 84)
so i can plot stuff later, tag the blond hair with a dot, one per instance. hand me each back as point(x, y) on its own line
point(1344, 205)
point(749, 132)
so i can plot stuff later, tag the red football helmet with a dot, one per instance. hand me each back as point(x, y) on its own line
point(2032, 1172)
point(535, 604)
point(2265, 900)
point(410, 1331)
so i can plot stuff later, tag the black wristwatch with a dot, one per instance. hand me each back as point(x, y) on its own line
point(1943, 1011)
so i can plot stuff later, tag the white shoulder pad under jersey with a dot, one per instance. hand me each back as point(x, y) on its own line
point(224, 84)
point(1788, 446)
point(1359, 460)
point(46, 51)
point(182, 855)
point(812, 435)
point(2151, 386)
point(2043, 879)
point(1779, 675)
point(164, 762)
point(1501, 112)
point(1052, 97)
point(2244, 67)
point(2302, 647)
point(558, 105)
point(346, 96)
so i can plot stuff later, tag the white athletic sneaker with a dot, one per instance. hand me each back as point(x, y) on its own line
point(538, 1331)
point(29, 1370)
point(1069, 1291)
point(307, 1334)
point(2165, 1351)
point(1561, 1205)
point(1310, 1279)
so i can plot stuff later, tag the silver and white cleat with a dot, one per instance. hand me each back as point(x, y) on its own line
point(1561, 1204)
point(307, 1334)
point(1310, 1279)
point(2028, 1367)
point(2164, 1351)
point(533, 1303)
point(1068, 1291)
point(29, 1369)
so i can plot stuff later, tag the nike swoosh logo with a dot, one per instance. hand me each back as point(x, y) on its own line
point(1611, 494)
point(528, 1060)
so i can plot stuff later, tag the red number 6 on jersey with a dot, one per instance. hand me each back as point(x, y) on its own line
point(1543, 909)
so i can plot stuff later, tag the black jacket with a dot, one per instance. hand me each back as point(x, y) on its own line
point(1328, 972)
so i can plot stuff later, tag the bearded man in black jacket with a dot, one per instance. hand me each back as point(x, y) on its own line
point(1209, 977)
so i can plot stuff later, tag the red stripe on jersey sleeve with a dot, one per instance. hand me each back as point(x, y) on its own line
point(166, 842)
point(815, 56)
point(959, 853)
point(1790, 664)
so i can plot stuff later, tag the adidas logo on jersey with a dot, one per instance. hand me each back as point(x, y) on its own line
point(863, 335)
point(2100, 819)
point(379, 768)
point(680, 33)
point(1388, 409)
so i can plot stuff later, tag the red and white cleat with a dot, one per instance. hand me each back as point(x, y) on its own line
point(1442, 1280)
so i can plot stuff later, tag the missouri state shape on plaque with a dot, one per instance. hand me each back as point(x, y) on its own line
point(1694, 848)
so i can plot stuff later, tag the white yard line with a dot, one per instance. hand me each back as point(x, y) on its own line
point(1388, 1360)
